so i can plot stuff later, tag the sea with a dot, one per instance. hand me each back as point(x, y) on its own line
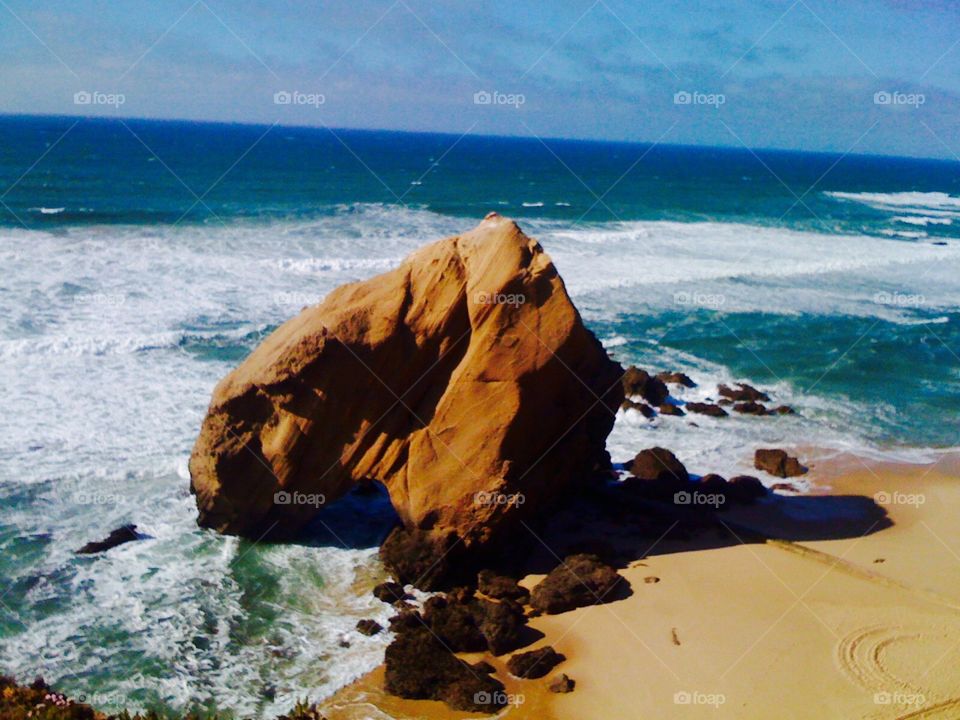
point(141, 260)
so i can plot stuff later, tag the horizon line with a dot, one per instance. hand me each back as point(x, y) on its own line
point(598, 141)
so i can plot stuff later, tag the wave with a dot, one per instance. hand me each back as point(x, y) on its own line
point(923, 220)
point(930, 203)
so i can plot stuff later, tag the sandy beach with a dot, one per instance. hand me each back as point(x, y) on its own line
point(851, 613)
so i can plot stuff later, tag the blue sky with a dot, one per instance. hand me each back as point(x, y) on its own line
point(801, 75)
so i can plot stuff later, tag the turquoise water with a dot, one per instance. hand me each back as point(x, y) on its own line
point(142, 261)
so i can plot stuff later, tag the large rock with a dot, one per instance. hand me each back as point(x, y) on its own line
point(464, 380)
point(578, 581)
point(418, 666)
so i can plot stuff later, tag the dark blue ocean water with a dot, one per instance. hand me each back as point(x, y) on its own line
point(142, 260)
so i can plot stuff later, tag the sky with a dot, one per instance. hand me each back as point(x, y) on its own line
point(841, 76)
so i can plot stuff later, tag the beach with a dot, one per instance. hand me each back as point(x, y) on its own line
point(861, 626)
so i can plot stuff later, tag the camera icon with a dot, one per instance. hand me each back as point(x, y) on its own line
point(482, 698)
point(282, 98)
point(882, 498)
point(882, 698)
point(282, 498)
point(682, 697)
point(482, 97)
point(682, 98)
point(82, 98)
point(882, 98)
point(682, 498)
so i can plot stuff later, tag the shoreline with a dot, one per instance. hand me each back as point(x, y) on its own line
point(828, 626)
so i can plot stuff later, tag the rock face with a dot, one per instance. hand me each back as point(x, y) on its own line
point(462, 380)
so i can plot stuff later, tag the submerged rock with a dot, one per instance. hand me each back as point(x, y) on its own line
point(750, 408)
point(389, 592)
point(777, 462)
point(448, 380)
point(670, 409)
point(676, 378)
point(580, 580)
point(123, 534)
point(706, 409)
point(369, 627)
point(743, 393)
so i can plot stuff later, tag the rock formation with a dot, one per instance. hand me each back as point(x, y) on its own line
point(464, 381)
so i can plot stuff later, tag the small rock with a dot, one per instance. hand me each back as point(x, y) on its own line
point(712, 483)
point(369, 627)
point(123, 534)
point(639, 382)
point(783, 410)
point(787, 487)
point(651, 579)
point(743, 393)
point(658, 464)
point(670, 409)
point(561, 684)
point(706, 409)
point(535, 663)
point(676, 378)
point(644, 409)
point(389, 592)
point(777, 462)
point(501, 587)
point(750, 408)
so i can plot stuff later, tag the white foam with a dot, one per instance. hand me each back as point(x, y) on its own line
point(909, 201)
point(922, 220)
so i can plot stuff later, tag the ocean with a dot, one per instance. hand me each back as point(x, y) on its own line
point(141, 261)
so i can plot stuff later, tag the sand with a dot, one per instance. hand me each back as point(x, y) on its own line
point(853, 613)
